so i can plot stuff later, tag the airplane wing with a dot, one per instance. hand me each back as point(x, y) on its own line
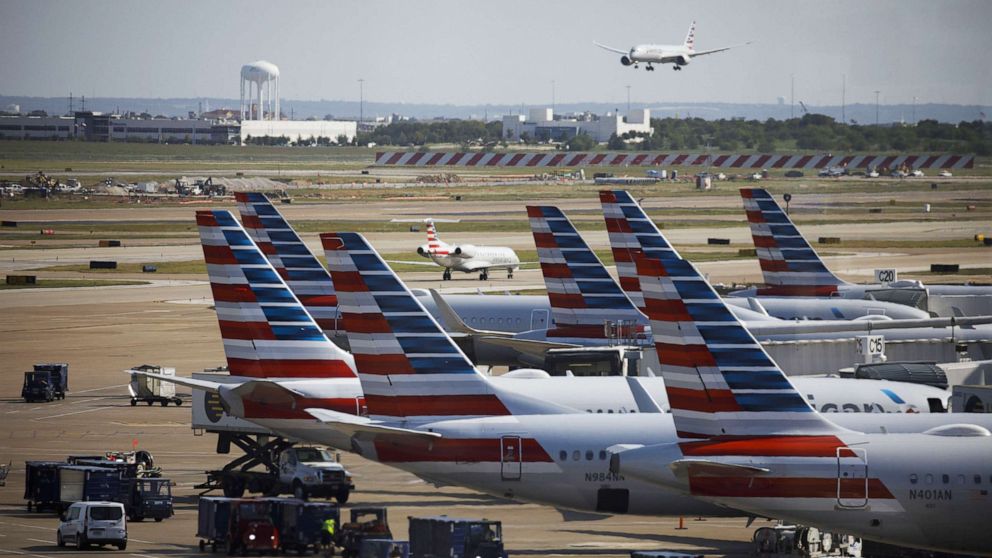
point(868, 326)
point(353, 424)
point(454, 323)
point(203, 385)
point(528, 346)
point(611, 49)
point(715, 50)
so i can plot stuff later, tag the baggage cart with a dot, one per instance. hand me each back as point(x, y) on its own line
point(152, 390)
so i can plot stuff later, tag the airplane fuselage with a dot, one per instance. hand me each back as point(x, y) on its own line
point(659, 54)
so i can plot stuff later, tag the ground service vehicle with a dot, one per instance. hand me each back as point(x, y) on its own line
point(99, 523)
point(152, 390)
point(367, 522)
point(147, 498)
point(251, 528)
point(300, 523)
point(213, 521)
point(47, 382)
point(41, 484)
point(456, 538)
point(303, 472)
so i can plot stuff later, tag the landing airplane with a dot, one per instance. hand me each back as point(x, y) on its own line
point(678, 55)
point(748, 440)
point(467, 258)
point(791, 267)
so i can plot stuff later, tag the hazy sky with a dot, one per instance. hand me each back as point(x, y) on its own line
point(467, 52)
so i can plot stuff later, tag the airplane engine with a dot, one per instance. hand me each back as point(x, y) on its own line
point(683, 60)
point(422, 250)
point(465, 250)
point(626, 61)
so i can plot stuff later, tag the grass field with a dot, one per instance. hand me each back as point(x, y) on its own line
point(61, 283)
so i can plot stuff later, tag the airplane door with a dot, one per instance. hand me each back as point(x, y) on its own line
point(852, 478)
point(511, 463)
point(539, 319)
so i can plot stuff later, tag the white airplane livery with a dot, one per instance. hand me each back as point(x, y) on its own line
point(649, 54)
point(467, 258)
point(748, 440)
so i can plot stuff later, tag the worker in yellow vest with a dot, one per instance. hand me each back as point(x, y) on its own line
point(327, 533)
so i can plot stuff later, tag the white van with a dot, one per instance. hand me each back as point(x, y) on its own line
point(86, 523)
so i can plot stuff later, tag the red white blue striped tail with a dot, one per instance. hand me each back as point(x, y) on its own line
point(407, 364)
point(719, 380)
point(583, 295)
point(631, 232)
point(291, 258)
point(267, 332)
point(790, 266)
point(434, 245)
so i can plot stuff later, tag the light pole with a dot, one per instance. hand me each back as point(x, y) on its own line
point(914, 110)
point(876, 107)
point(628, 101)
point(553, 107)
point(361, 101)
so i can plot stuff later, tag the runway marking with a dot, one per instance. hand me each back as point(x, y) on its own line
point(99, 388)
point(41, 541)
point(29, 526)
point(25, 553)
point(72, 413)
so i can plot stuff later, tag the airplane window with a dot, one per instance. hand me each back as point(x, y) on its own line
point(576, 455)
point(588, 455)
point(945, 478)
point(978, 479)
point(929, 478)
point(499, 321)
point(960, 479)
point(602, 455)
point(562, 455)
point(599, 410)
point(913, 478)
point(518, 321)
point(610, 411)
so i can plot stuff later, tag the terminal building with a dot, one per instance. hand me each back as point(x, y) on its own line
point(543, 125)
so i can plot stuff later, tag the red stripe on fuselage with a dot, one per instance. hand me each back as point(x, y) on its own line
point(768, 446)
point(435, 405)
point(798, 290)
point(786, 487)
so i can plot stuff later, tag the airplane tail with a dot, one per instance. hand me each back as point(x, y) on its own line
point(720, 381)
point(267, 332)
point(408, 366)
point(690, 38)
point(582, 293)
point(631, 231)
point(290, 257)
point(435, 245)
point(790, 266)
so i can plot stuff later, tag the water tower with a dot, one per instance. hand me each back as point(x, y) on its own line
point(264, 77)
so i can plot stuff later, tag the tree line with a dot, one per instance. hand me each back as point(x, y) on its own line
point(811, 132)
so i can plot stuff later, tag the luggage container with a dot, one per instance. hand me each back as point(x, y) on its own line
point(152, 390)
point(46, 382)
point(384, 548)
point(455, 537)
point(213, 521)
point(41, 484)
point(301, 523)
point(78, 483)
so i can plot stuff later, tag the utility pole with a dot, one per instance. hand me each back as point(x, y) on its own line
point(843, 99)
point(914, 110)
point(876, 107)
point(628, 101)
point(361, 101)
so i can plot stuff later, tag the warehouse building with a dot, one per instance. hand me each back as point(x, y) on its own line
point(543, 125)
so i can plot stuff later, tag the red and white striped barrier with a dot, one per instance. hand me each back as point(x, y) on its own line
point(479, 159)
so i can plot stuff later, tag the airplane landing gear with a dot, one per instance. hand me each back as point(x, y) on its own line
point(650, 68)
point(446, 276)
point(509, 274)
point(484, 275)
point(677, 68)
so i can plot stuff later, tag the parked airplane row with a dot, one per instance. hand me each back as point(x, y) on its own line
point(431, 412)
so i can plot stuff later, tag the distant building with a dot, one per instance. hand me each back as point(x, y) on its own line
point(296, 130)
point(542, 124)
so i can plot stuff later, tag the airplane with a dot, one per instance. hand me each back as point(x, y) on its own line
point(470, 453)
point(467, 258)
point(791, 267)
point(748, 440)
point(584, 298)
point(678, 55)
